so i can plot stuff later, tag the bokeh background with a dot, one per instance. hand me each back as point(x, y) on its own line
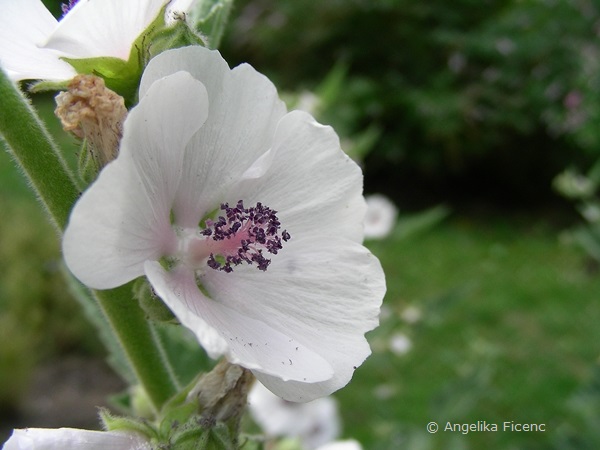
point(480, 120)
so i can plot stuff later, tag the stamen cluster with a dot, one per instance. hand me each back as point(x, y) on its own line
point(66, 7)
point(258, 227)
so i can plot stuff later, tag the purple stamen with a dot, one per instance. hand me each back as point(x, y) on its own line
point(257, 229)
point(66, 7)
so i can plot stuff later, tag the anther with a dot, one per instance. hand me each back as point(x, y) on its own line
point(256, 229)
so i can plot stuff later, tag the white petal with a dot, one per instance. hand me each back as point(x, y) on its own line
point(323, 292)
point(70, 438)
point(176, 8)
point(248, 341)
point(315, 423)
point(310, 181)
point(25, 25)
point(103, 28)
point(123, 219)
point(243, 115)
point(349, 444)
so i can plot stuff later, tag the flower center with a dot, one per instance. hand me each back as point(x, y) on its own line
point(241, 235)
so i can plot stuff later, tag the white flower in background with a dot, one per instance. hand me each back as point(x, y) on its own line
point(349, 444)
point(590, 212)
point(32, 41)
point(308, 101)
point(313, 424)
point(400, 344)
point(246, 220)
point(70, 438)
point(380, 218)
point(411, 314)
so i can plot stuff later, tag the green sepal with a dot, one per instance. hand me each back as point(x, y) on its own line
point(87, 167)
point(45, 86)
point(202, 434)
point(119, 423)
point(122, 77)
point(178, 409)
point(152, 305)
point(219, 438)
point(175, 416)
point(176, 36)
point(180, 398)
point(210, 17)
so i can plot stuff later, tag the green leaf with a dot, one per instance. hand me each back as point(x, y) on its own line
point(408, 226)
point(588, 238)
point(181, 348)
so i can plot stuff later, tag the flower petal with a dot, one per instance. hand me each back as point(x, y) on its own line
point(247, 341)
point(103, 28)
point(71, 438)
point(324, 292)
point(123, 219)
point(244, 112)
point(310, 181)
point(25, 25)
point(315, 423)
point(349, 444)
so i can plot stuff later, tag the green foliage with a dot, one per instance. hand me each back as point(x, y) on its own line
point(37, 316)
point(506, 330)
point(584, 190)
point(455, 88)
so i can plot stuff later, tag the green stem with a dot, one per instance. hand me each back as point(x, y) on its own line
point(139, 342)
point(33, 149)
point(40, 159)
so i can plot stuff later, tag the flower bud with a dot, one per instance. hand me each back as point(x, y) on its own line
point(92, 112)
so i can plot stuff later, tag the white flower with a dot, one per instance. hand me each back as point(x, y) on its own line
point(314, 423)
point(400, 344)
point(380, 217)
point(349, 444)
point(411, 314)
point(70, 438)
point(32, 41)
point(308, 101)
point(203, 136)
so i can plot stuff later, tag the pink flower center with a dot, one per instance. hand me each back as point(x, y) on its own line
point(241, 235)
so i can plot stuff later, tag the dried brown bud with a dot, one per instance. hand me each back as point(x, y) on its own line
point(223, 392)
point(93, 112)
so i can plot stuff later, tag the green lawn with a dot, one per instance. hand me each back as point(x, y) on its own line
point(509, 332)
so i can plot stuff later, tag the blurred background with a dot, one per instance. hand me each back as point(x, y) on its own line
point(480, 121)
